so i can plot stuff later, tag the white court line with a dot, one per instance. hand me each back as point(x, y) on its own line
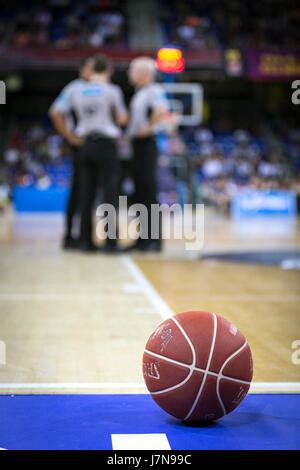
point(256, 387)
point(55, 296)
point(141, 286)
point(275, 387)
point(140, 442)
point(150, 292)
point(61, 386)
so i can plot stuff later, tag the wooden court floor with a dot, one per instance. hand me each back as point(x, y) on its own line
point(74, 322)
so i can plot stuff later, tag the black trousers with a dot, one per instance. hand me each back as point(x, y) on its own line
point(145, 176)
point(73, 206)
point(100, 167)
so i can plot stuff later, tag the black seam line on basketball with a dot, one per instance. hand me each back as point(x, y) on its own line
point(196, 369)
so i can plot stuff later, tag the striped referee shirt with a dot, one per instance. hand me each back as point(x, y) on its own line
point(94, 104)
point(145, 100)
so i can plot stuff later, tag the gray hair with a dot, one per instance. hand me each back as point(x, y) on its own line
point(146, 63)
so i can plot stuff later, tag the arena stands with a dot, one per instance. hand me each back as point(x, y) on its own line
point(192, 25)
point(198, 165)
point(195, 25)
point(62, 23)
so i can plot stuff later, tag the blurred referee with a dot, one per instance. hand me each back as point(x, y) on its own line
point(100, 110)
point(65, 124)
point(148, 109)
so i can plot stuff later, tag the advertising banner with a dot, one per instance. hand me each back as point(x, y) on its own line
point(272, 65)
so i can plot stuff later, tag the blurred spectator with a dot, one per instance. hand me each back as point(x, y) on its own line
point(34, 155)
point(270, 167)
point(242, 169)
point(244, 148)
point(195, 33)
point(218, 193)
point(213, 166)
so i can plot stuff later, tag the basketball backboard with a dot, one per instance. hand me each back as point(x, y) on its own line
point(186, 99)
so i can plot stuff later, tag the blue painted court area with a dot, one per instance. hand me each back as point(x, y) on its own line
point(87, 422)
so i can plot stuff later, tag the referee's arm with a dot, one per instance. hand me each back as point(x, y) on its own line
point(59, 122)
point(159, 111)
point(122, 119)
point(158, 115)
point(57, 113)
point(120, 111)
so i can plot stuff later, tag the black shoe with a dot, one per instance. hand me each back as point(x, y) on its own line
point(151, 246)
point(111, 249)
point(87, 246)
point(138, 245)
point(70, 243)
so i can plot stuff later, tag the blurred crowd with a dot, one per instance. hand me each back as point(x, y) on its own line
point(191, 25)
point(220, 165)
point(234, 23)
point(35, 155)
point(62, 23)
point(196, 164)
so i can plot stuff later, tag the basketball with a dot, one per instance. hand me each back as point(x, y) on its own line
point(197, 366)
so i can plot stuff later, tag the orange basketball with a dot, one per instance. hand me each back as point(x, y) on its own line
point(197, 366)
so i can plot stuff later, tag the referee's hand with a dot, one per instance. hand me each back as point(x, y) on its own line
point(145, 131)
point(74, 140)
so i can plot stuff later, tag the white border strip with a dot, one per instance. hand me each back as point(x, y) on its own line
point(256, 387)
point(146, 287)
point(140, 442)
